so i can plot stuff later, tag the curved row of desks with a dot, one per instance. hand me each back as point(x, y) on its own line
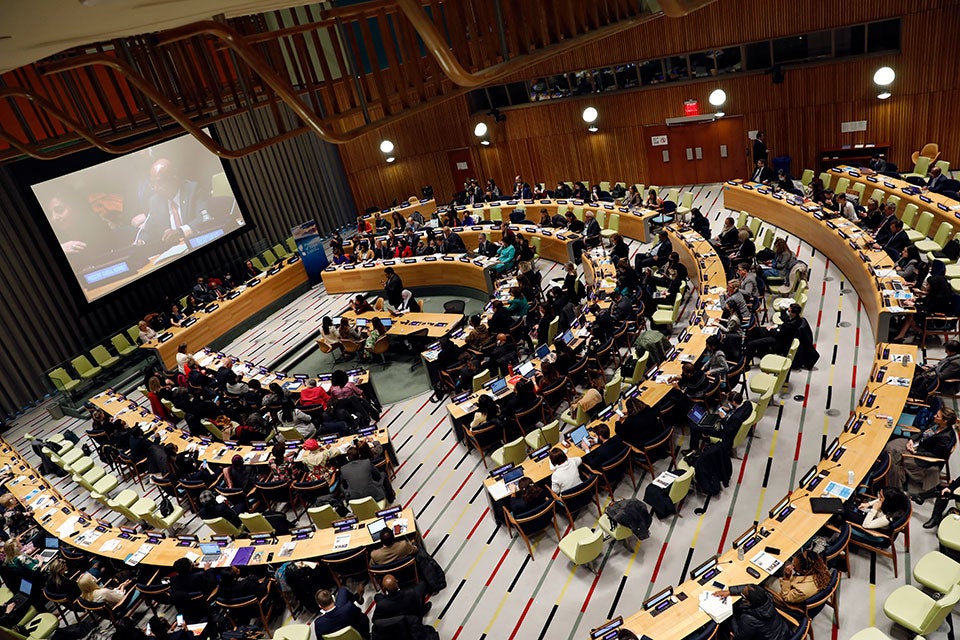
point(213, 451)
point(457, 269)
point(674, 612)
point(871, 272)
point(224, 315)
point(99, 537)
point(944, 209)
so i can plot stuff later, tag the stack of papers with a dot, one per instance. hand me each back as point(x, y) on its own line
point(837, 490)
point(899, 382)
point(719, 609)
point(766, 562)
point(341, 542)
point(498, 490)
point(664, 480)
point(136, 557)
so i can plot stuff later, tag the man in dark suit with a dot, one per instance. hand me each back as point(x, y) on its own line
point(452, 243)
point(658, 254)
point(762, 173)
point(393, 288)
point(339, 612)
point(760, 147)
point(591, 228)
point(883, 229)
point(175, 208)
point(485, 247)
point(936, 181)
point(395, 601)
point(898, 240)
point(608, 449)
point(878, 163)
point(360, 478)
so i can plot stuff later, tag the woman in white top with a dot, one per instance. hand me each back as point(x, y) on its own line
point(330, 334)
point(92, 591)
point(889, 506)
point(146, 332)
point(566, 474)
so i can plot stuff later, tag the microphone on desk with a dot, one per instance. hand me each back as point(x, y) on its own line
point(852, 438)
point(839, 464)
point(861, 416)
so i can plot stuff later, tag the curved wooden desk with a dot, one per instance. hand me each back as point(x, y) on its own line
point(76, 528)
point(425, 271)
point(791, 523)
point(229, 313)
point(426, 208)
point(847, 246)
point(944, 209)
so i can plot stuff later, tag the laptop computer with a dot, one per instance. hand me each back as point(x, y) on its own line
point(699, 415)
point(361, 322)
point(376, 528)
point(51, 547)
point(527, 370)
point(567, 337)
point(513, 476)
point(499, 386)
point(578, 434)
point(26, 588)
point(542, 351)
point(826, 505)
point(211, 551)
point(387, 322)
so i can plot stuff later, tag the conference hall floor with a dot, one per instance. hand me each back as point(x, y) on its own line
point(494, 589)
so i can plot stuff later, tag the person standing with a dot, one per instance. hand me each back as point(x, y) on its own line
point(393, 288)
point(760, 147)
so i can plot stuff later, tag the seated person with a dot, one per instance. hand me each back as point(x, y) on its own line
point(658, 254)
point(313, 394)
point(338, 611)
point(878, 513)
point(641, 425)
point(394, 601)
point(391, 548)
point(565, 471)
point(212, 506)
point(936, 442)
point(755, 615)
point(360, 305)
point(527, 497)
point(605, 451)
point(803, 577)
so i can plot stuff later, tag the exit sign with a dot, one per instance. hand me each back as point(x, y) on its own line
point(691, 108)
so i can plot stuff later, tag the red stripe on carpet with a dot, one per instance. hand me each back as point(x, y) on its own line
point(796, 454)
point(656, 567)
point(857, 337)
point(479, 520)
point(853, 380)
point(723, 538)
point(497, 568)
point(460, 488)
point(819, 317)
point(457, 634)
point(442, 420)
point(444, 459)
point(520, 621)
point(806, 391)
point(407, 504)
point(593, 586)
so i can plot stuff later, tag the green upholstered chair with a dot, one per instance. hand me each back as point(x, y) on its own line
point(222, 527)
point(806, 177)
point(582, 546)
point(146, 509)
point(480, 379)
point(347, 633)
point(912, 609)
point(323, 516)
point(496, 214)
point(937, 572)
point(618, 532)
point(122, 345)
point(680, 488)
point(256, 523)
point(948, 532)
point(870, 633)
point(269, 258)
point(577, 418)
point(366, 508)
point(825, 178)
point(639, 370)
point(280, 251)
point(920, 168)
point(62, 380)
point(944, 231)
point(547, 434)
point(613, 226)
point(84, 369)
point(514, 451)
point(292, 632)
point(258, 263)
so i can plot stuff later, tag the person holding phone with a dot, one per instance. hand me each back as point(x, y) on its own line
point(159, 628)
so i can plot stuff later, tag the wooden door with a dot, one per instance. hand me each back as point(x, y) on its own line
point(461, 167)
point(695, 153)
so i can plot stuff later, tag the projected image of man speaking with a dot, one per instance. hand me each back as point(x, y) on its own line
point(176, 208)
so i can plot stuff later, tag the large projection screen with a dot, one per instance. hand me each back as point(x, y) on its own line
point(122, 219)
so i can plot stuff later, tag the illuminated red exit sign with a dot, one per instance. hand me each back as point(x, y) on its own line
point(691, 108)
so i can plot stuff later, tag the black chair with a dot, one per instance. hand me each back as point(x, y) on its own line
point(306, 493)
point(404, 570)
point(155, 596)
point(274, 493)
point(454, 306)
point(580, 496)
point(533, 523)
point(263, 607)
point(347, 564)
point(613, 472)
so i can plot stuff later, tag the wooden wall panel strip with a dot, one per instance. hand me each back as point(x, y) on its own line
point(549, 142)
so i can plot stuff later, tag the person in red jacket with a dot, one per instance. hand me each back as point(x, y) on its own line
point(314, 394)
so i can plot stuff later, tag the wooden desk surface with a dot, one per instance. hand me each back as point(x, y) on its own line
point(437, 324)
point(944, 209)
point(425, 207)
point(210, 326)
point(862, 449)
point(828, 237)
point(424, 271)
point(60, 519)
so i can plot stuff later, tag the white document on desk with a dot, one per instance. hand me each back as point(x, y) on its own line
point(719, 609)
point(767, 562)
point(498, 490)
